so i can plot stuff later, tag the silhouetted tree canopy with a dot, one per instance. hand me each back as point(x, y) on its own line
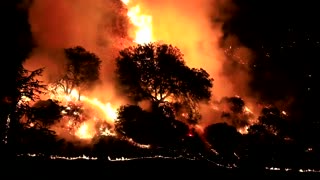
point(45, 112)
point(234, 111)
point(270, 121)
point(17, 44)
point(267, 139)
point(223, 138)
point(37, 140)
point(30, 89)
point(236, 103)
point(82, 69)
point(157, 72)
point(148, 127)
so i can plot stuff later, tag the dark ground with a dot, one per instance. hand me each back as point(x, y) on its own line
point(148, 168)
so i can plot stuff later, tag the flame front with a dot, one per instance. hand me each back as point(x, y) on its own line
point(100, 120)
point(109, 112)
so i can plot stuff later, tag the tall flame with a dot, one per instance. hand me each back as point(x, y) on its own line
point(142, 23)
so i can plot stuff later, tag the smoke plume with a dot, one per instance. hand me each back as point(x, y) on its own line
point(100, 26)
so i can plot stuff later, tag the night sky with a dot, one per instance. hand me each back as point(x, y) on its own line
point(285, 38)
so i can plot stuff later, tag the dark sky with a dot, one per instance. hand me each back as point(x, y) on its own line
point(285, 37)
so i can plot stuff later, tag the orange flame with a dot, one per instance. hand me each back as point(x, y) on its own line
point(84, 132)
point(142, 23)
point(88, 128)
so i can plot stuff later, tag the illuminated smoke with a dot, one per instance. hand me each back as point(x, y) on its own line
point(231, 110)
point(187, 25)
point(100, 26)
point(193, 28)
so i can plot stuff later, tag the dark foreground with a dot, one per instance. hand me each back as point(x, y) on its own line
point(147, 168)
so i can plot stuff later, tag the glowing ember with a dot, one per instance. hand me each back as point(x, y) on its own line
point(284, 113)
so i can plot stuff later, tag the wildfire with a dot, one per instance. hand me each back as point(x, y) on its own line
point(84, 132)
point(142, 23)
point(99, 121)
point(86, 127)
point(243, 130)
point(107, 109)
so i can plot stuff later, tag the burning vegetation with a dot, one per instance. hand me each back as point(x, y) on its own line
point(158, 98)
point(152, 76)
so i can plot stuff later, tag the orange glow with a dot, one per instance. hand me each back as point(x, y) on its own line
point(243, 130)
point(87, 130)
point(84, 132)
point(186, 25)
point(107, 109)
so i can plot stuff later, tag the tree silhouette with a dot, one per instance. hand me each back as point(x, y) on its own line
point(149, 127)
point(157, 72)
point(37, 139)
point(29, 88)
point(18, 41)
point(236, 103)
point(45, 112)
point(234, 111)
point(224, 139)
point(82, 70)
point(266, 140)
point(272, 121)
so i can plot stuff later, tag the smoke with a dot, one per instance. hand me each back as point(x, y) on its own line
point(236, 67)
point(100, 26)
point(231, 110)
